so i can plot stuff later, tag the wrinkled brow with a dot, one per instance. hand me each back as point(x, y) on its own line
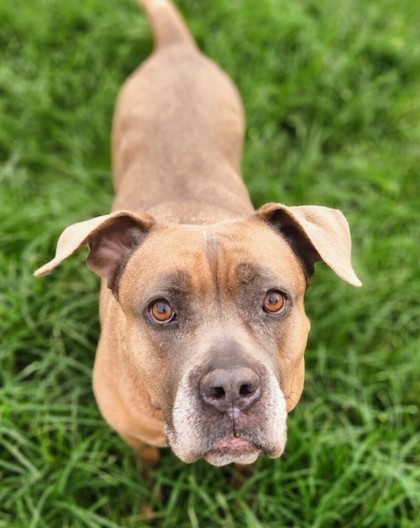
point(256, 276)
point(250, 273)
point(177, 281)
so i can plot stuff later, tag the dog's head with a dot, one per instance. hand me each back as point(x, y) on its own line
point(213, 318)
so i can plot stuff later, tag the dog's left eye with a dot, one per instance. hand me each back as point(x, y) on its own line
point(161, 312)
point(274, 302)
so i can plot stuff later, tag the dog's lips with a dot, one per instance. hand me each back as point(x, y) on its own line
point(234, 446)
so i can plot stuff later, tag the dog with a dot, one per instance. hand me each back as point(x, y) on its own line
point(203, 327)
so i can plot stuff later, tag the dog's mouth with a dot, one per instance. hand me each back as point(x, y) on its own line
point(234, 445)
point(232, 449)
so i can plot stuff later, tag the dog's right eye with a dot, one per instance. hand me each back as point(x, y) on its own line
point(161, 312)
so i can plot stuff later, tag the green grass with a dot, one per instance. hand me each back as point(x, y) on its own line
point(331, 90)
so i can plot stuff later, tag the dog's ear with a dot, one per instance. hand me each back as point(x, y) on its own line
point(314, 233)
point(111, 239)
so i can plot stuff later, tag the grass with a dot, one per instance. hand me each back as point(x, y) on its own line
point(331, 90)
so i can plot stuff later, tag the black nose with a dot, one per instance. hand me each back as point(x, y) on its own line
point(234, 388)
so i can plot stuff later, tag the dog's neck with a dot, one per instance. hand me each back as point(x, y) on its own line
point(214, 195)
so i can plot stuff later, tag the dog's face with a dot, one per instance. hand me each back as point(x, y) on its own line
point(212, 318)
point(215, 320)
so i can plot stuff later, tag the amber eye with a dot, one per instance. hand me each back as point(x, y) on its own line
point(161, 312)
point(274, 302)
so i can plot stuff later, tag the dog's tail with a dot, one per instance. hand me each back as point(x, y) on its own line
point(167, 23)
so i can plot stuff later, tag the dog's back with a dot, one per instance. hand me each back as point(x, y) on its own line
point(178, 131)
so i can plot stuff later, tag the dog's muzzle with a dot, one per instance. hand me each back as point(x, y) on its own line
point(229, 412)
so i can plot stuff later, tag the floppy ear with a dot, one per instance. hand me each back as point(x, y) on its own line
point(314, 233)
point(111, 239)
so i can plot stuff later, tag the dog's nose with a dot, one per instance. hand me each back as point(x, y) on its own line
point(228, 389)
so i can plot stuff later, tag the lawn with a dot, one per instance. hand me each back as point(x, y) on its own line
point(331, 91)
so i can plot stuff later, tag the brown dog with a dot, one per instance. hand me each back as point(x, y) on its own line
point(203, 323)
